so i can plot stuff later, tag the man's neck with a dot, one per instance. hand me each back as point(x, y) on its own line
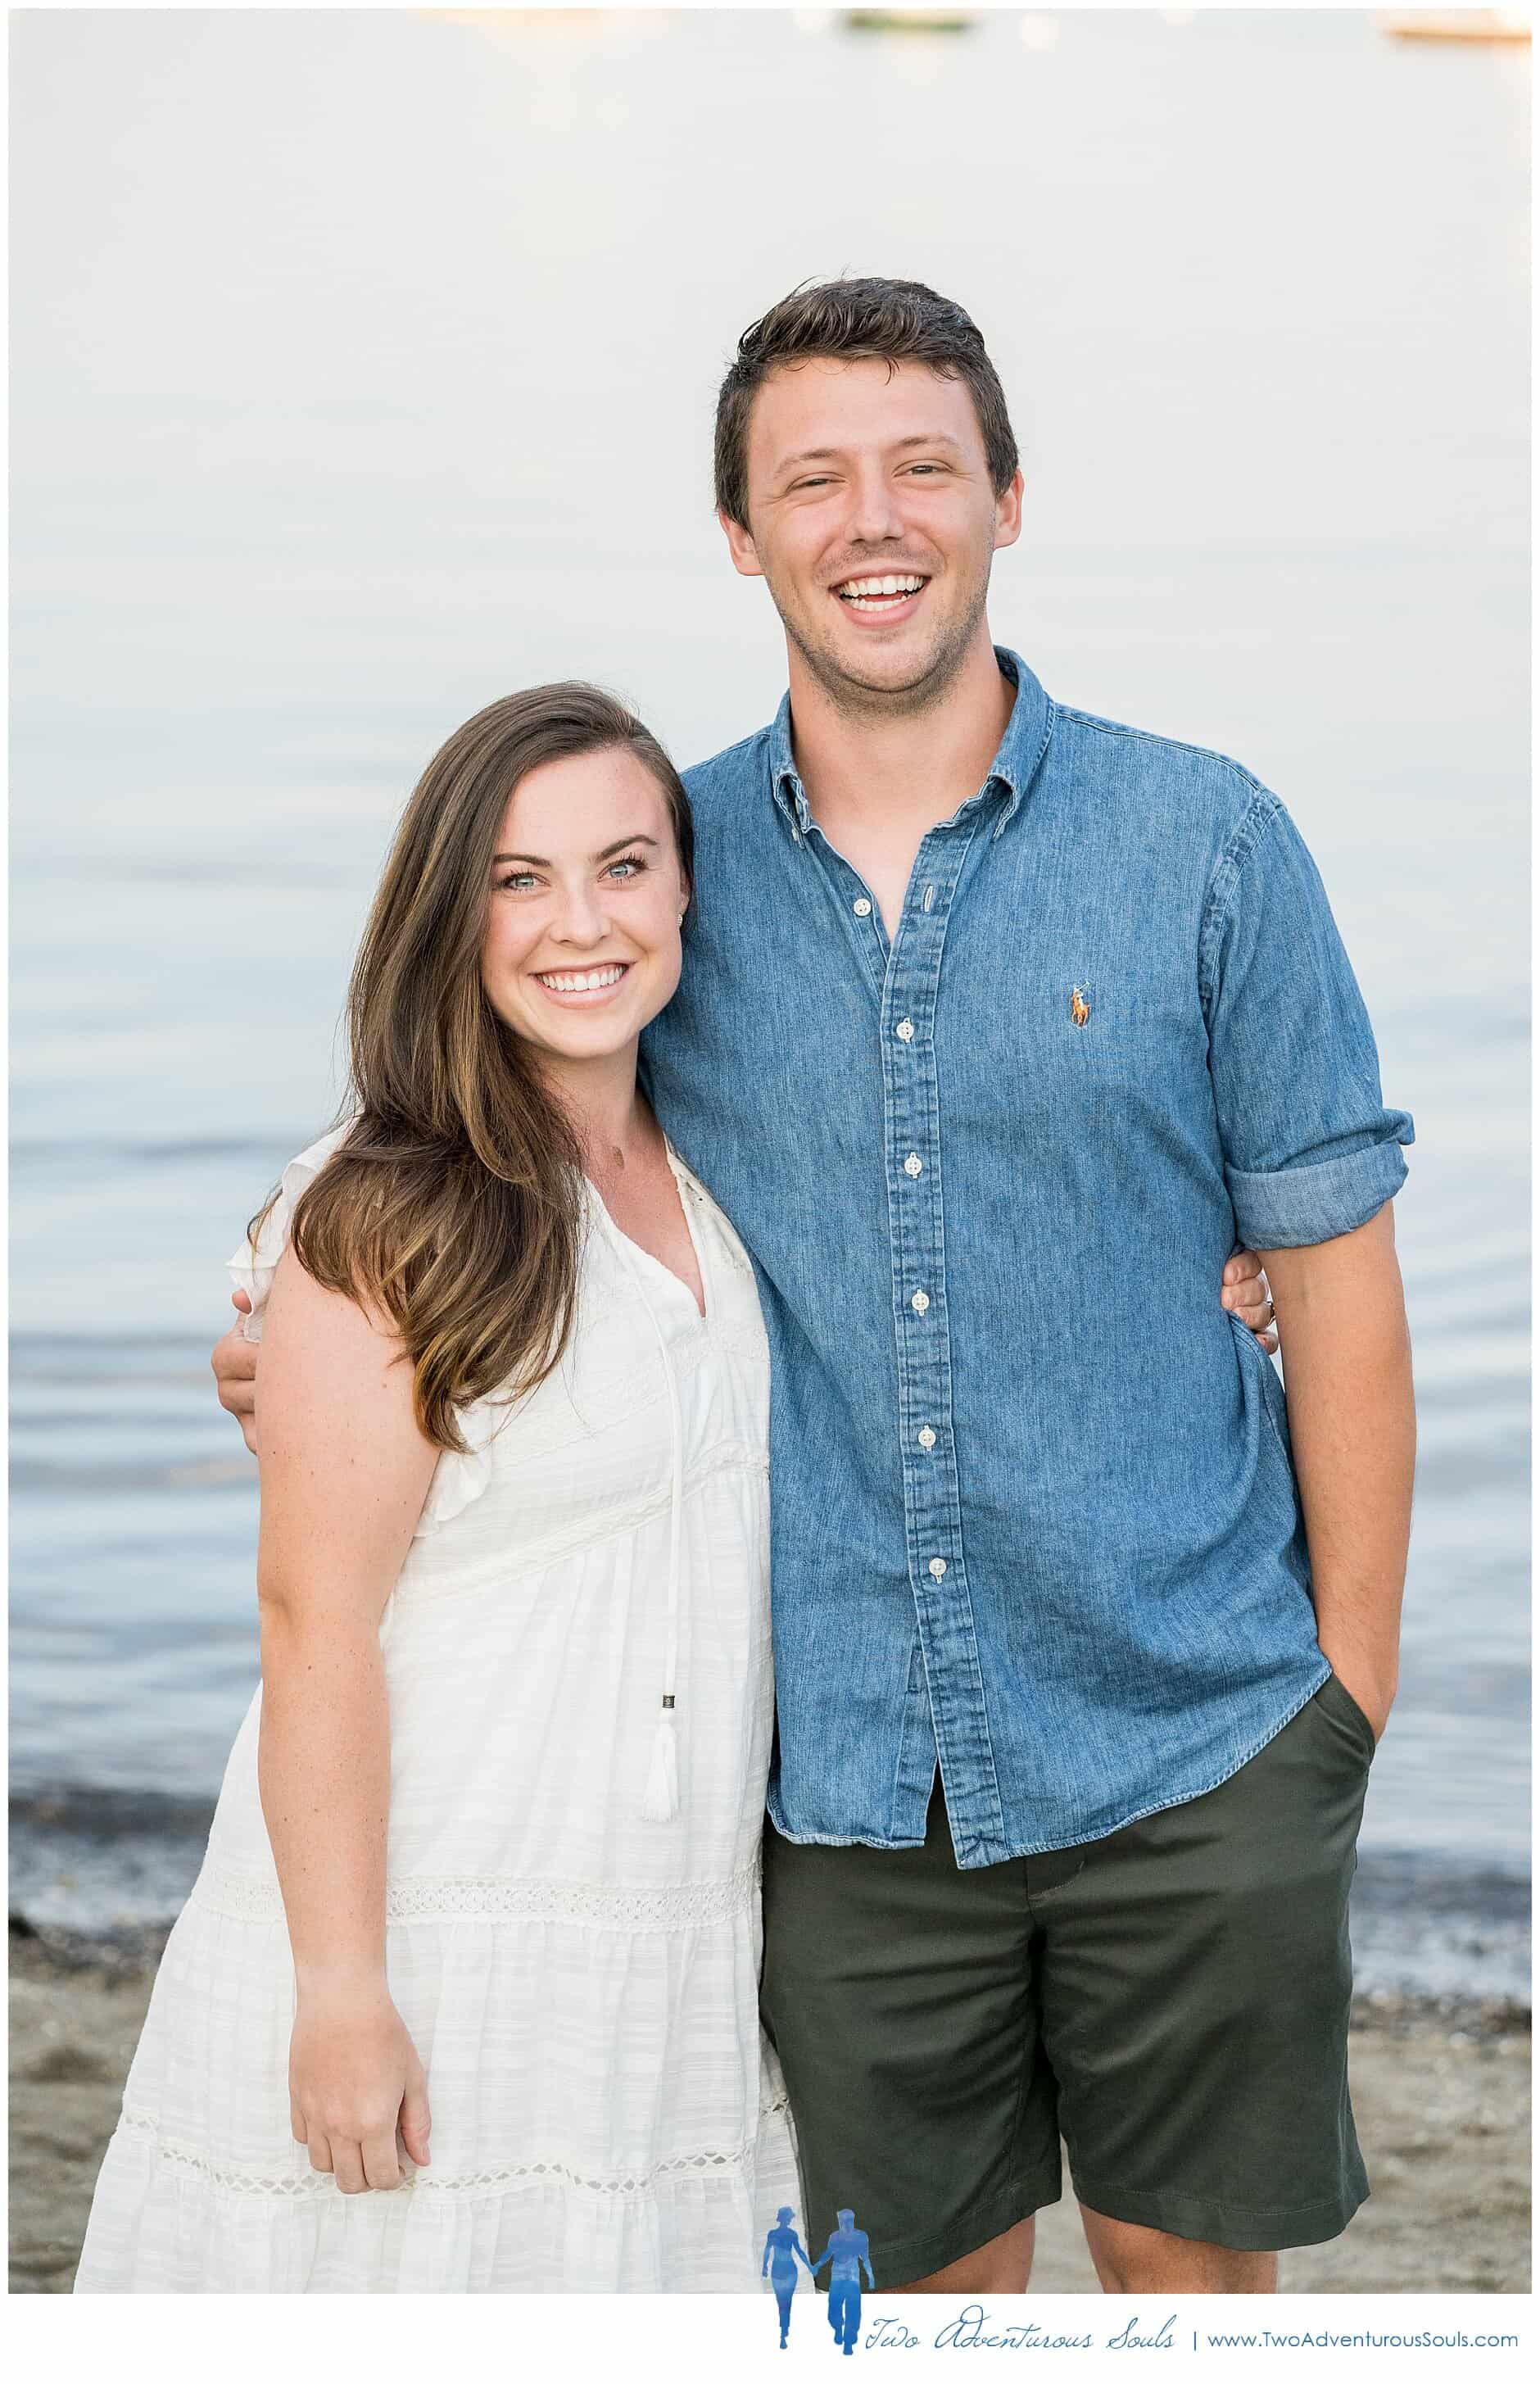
point(866, 773)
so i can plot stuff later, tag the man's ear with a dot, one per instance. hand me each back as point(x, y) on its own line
point(1007, 513)
point(740, 546)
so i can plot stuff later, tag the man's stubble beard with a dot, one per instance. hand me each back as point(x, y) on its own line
point(855, 700)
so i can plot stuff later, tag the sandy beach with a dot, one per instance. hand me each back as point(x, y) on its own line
point(1441, 2092)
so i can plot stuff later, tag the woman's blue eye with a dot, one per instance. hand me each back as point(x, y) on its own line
point(518, 879)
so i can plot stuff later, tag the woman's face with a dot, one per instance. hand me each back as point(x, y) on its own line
point(581, 945)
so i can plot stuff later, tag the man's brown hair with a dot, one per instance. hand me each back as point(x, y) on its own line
point(902, 322)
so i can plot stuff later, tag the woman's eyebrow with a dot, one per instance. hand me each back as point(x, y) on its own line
point(538, 860)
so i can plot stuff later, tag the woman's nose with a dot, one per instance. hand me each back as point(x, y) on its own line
point(580, 917)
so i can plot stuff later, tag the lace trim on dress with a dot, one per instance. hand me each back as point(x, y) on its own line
point(308, 2184)
point(246, 1895)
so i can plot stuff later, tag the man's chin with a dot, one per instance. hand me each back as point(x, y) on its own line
point(900, 675)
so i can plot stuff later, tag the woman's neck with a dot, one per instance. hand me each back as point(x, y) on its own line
point(613, 1124)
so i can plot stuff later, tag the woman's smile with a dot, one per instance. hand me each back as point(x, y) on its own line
point(587, 988)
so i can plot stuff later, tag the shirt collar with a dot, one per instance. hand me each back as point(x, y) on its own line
point(785, 785)
point(1011, 773)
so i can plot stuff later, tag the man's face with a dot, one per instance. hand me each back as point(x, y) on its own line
point(862, 472)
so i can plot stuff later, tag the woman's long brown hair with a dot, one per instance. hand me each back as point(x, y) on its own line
point(454, 1204)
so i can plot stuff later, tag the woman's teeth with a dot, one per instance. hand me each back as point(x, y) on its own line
point(878, 595)
point(581, 980)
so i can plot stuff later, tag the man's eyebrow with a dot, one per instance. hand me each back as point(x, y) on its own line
point(917, 439)
point(539, 861)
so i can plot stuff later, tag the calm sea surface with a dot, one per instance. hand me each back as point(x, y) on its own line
point(364, 370)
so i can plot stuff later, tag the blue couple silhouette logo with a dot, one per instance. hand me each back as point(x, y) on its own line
point(846, 2253)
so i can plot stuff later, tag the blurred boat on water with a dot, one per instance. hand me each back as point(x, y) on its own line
point(910, 20)
point(1455, 24)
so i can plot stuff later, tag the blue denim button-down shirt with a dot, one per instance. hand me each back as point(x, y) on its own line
point(1033, 1510)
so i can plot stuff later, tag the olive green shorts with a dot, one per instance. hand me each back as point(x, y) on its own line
point(1172, 2000)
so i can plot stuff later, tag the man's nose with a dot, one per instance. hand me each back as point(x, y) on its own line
point(874, 514)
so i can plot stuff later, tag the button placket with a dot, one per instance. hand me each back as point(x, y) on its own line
point(932, 1506)
point(856, 907)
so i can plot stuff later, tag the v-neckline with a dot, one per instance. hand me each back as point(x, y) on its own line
point(677, 1168)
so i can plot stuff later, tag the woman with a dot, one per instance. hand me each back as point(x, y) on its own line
point(463, 1997)
point(782, 2252)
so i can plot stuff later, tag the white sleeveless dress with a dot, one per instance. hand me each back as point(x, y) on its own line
point(579, 1981)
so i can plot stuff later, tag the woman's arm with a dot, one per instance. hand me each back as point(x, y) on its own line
point(344, 1472)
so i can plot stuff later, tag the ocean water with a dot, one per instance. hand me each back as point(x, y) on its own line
point(364, 367)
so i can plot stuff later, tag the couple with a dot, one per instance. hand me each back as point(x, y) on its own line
point(987, 1013)
point(847, 2251)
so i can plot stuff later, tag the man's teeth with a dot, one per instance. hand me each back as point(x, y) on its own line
point(579, 980)
point(878, 595)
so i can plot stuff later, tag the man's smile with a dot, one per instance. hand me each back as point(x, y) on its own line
point(882, 596)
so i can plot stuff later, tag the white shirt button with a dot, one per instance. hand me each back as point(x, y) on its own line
point(904, 1030)
point(913, 1165)
point(926, 1436)
point(930, 897)
point(920, 1302)
point(861, 908)
point(937, 1567)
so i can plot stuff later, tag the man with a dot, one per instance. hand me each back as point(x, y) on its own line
point(989, 1004)
point(849, 2252)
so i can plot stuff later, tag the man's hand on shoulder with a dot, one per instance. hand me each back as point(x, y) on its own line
point(234, 1364)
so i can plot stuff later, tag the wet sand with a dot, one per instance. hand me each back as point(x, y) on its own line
point(1441, 2092)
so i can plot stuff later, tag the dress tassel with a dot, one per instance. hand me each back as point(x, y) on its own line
point(661, 1800)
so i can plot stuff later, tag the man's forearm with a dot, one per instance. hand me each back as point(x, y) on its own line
point(1347, 1376)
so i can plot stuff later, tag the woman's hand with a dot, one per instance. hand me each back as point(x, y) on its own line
point(357, 2095)
point(1244, 1289)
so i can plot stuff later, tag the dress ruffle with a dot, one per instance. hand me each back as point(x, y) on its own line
point(254, 1265)
point(458, 1480)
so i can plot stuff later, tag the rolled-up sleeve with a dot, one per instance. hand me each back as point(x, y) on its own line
point(1310, 1150)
